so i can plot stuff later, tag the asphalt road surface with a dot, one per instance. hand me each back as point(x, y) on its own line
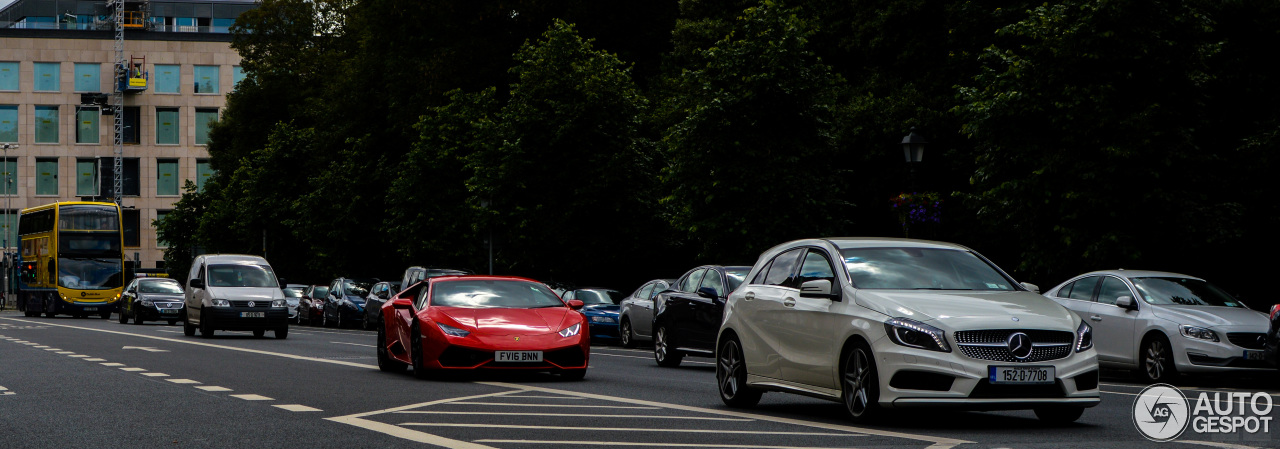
point(93, 383)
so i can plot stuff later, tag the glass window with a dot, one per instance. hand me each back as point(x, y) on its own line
point(1112, 289)
point(241, 275)
point(690, 283)
point(10, 176)
point(167, 177)
point(168, 79)
point(203, 172)
point(160, 286)
point(167, 126)
point(596, 296)
point(735, 276)
point(87, 130)
point(47, 176)
point(816, 266)
point(9, 75)
point(160, 214)
point(712, 281)
point(643, 292)
point(130, 185)
point(206, 79)
point(491, 294)
point(130, 219)
point(922, 269)
point(132, 124)
point(1183, 291)
point(203, 118)
point(8, 123)
point(237, 74)
point(782, 267)
point(46, 74)
point(1081, 289)
point(221, 25)
point(46, 124)
point(659, 287)
point(86, 177)
point(87, 77)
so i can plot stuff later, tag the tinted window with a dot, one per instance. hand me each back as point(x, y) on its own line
point(594, 296)
point(712, 281)
point(922, 269)
point(1183, 291)
point(319, 292)
point(690, 283)
point(736, 276)
point(782, 267)
point(1083, 289)
point(241, 275)
point(816, 266)
point(659, 288)
point(160, 287)
point(292, 293)
point(356, 287)
point(759, 279)
point(644, 292)
point(1112, 288)
point(491, 294)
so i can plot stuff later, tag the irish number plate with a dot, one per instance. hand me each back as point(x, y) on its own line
point(90, 309)
point(1020, 374)
point(168, 310)
point(253, 314)
point(1254, 355)
point(517, 356)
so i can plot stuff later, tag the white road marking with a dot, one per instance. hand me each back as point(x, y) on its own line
point(169, 331)
point(505, 404)
point(52, 349)
point(252, 397)
point(112, 364)
point(95, 360)
point(155, 374)
point(145, 348)
point(298, 408)
point(630, 429)
point(352, 344)
point(40, 347)
point(130, 369)
point(77, 356)
point(414, 435)
point(532, 396)
point(623, 443)
point(1216, 444)
point(577, 415)
point(213, 388)
point(65, 352)
point(183, 381)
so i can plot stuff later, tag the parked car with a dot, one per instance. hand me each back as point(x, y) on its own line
point(635, 315)
point(378, 294)
point(876, 323)
point(234, 292)
point(414, 274)
point(311, 305)
point(1273, 336)
point(152, 299)
point(686, 316)
point(345, 303)
point(600, 305)
point(293, 297)
point(482, 322)
point(1162, 324)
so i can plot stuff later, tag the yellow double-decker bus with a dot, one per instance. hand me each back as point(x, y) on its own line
point(72, 260)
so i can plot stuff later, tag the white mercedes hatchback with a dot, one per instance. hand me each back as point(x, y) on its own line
point(888, 323)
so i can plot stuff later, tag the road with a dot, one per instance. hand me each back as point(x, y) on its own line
point(92, 383)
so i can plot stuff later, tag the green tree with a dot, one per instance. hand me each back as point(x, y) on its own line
point(180, 230)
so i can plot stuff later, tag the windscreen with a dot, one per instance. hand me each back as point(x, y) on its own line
point(319, 292)
point(90, 273)
point(1183, 291)
point(597, 296)
point(241, 275)
point(355, 287)
point(168, 287)
point(293, 293)
point(921, 269)
point(479, 294)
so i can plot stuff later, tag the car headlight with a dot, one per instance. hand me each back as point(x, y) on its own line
point(1197, 332)
point(602, 319)
point(452, 331)
point(571, 330)
point(1084, 337)
point(221, 303)
point(145, 302)
point(914, 334)
point(278, 303)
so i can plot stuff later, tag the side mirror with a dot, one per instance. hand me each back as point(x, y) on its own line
point(817, 288)
point(575, 304)
point(196, 283)
point(402, 304)
point(707, 292)
point(1126, 302)
point(1029, 286)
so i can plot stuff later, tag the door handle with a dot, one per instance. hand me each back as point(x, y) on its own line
point(749, 296)
point(1096, 318)
point(789, 302)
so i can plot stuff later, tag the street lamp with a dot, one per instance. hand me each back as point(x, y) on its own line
point(913, 150)
point(8, 184)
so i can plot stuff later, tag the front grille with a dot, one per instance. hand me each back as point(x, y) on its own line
point(168, 305)
point(256, 304)
point(454, 356)
point(986, 390)
point(920, 380)
point(990, 344)
point(1248, 340)
point(570, 357)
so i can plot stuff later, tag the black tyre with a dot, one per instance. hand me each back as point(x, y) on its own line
point(259, 333)
point(123, 318)
point(188, 329)
point(1059, 415)
point(573, 374)
point(137, 317)
point(106, 315)
point(415, 354)
point(664, 351)
point(860, 384)
point(282, 332)
point(1157, 360)
point(206, 325)
point(625, 334)
point(731, 376)
point(385, 362)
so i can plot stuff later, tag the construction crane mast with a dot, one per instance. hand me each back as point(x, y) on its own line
point(117, 102)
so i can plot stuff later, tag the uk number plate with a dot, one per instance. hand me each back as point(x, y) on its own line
point(1254, 355)
point(517, 356)
point(253, 314)
point(90, 309)
point(1020, 374)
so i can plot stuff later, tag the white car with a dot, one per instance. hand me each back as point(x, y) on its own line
point(901, 323)
point(1182, 323)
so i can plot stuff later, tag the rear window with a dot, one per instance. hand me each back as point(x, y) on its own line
point(481, 294)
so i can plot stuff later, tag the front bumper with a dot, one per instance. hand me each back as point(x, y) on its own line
point(604, 330)
point(1202, 356)
point(229, 318)
point(155, 314)
point(473, 352)
point(1075, 383)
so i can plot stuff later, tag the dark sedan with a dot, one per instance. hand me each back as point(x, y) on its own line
point(378, 295)
point(345, 303)
point(152, 299)
point(687, 315)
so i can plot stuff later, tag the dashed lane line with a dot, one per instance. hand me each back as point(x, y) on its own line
point(297, 408)
point(631, 429)
point(252, 397)
point(577, 415)
point(95, 360)
point(132, 369)
point(183, 381)
point(155, 374)
point(5, 392)
point(212, 388)
point(78, 356)
point(112, 364)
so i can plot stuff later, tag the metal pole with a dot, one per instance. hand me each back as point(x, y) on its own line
point(117, 103)
point(8, 195)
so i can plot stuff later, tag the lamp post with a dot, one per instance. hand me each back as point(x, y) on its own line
point(913, 150)
point(8, 184)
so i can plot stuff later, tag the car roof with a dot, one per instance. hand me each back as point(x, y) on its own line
point(480, 277)
point(1140, 274)
point(889, 242)
point(232, 258)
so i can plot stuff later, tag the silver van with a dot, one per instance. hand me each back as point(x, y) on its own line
point(234, 292)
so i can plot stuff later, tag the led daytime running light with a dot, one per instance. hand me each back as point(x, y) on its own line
point(900, 331)
point(452, 331)
point(571, 330)
point(1084, 337)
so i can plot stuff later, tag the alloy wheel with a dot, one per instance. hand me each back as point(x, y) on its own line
point(858, 383)
point(624, 334)
point(728, 367)
point(1154, 363)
